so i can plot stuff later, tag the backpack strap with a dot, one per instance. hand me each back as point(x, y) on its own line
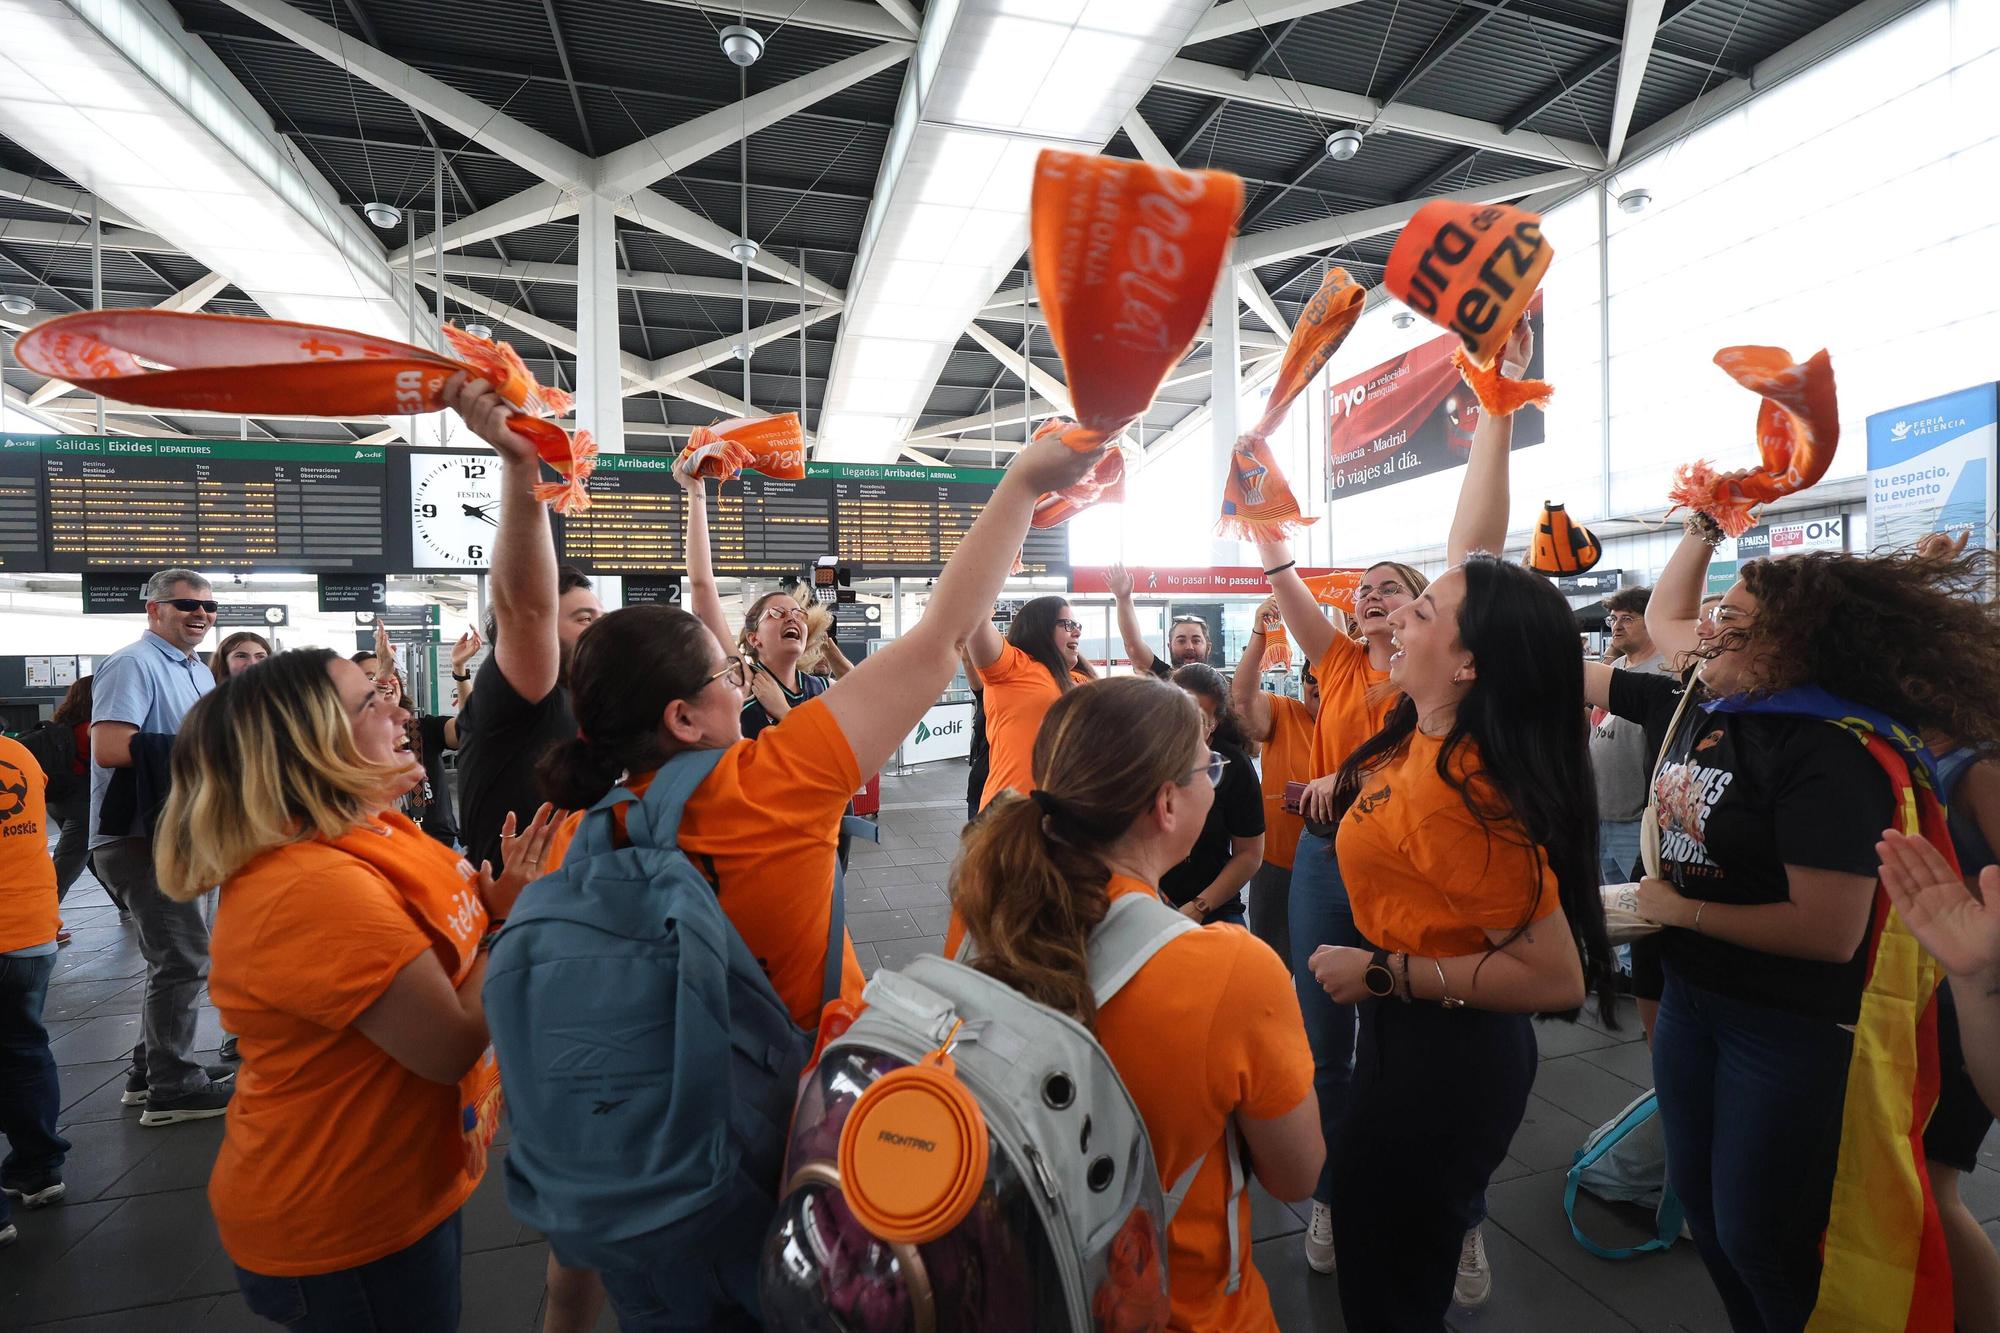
point(594, 833)
point(1667, 1220)
point(667, 797)
point(1136, 927)
point(836, 919)
point(1232, 1143)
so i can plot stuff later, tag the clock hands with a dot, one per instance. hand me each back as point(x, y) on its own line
point(479, 512)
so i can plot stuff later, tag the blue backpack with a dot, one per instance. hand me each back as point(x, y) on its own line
point(1625, 1161)
point(648, 1065)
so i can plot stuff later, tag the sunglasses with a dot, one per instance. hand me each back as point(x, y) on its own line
point(1073, 626)
point(1216, 763)
point(782, 613)
point(190, 605)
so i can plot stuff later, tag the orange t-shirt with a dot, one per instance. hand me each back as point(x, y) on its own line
point(28, 912)
point(1424, 876)
point(1287, 758)
point(768, 820)
point(1019, 694)
point(1345, 717)
point(334, 1154)
point(1209, 1027)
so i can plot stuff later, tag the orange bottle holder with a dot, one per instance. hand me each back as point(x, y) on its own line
point(913, 1153)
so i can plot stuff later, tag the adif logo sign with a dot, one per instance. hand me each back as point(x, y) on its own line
point(925, 731)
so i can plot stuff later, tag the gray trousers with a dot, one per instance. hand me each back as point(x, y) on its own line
point(173, 938)
point(1271, 909)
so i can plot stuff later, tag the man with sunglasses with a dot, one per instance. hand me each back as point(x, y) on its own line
point(1187, 636)
point(140, 695)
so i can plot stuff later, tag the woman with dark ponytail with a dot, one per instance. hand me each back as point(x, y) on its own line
point(1208, 1032)
point(651, 682)
point(1033, 667)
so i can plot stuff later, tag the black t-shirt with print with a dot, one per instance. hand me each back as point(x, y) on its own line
point(1238, 812)
point(756, 718)
point(1741, 796)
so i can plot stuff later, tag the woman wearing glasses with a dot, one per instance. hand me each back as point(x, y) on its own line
point(650, 682)
point(1207, 885)
point(1035, 665)
point(1206, 1034)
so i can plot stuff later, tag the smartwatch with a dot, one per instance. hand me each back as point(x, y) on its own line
point(1381, 982)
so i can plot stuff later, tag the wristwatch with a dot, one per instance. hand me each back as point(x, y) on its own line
point(467, 676)
point(1381, 982)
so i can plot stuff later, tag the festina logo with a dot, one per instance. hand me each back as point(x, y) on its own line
point(951, 728)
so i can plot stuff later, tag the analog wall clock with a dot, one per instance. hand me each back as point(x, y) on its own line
point(454, 509)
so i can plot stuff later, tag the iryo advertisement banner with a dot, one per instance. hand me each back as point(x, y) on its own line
point(1931, 468)
point(1412, 415)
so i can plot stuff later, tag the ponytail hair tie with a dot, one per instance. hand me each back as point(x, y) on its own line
point(581, 737)
point(1050, 805)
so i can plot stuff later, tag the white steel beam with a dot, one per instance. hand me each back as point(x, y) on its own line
point(694, 391)
point(667, 284)
point(532, 207)
point(1642, 22)
point(1003, 414)
point(1195, 76)
point(520, 144)
point(61, 198)
point(78, 233)
point(555, 335)
point(649, 208)
point(661, 155)
point(600, 407)
point(904, 13)
point(1342, 228)
point(860, 18)
point(916, 455)
point(1023, 368)
point(670, 370)
point(1226, 20)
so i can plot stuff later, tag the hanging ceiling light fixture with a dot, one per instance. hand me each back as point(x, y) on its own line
point(1402, 319)
point(382, 215)
point(1343, 143)
point(1635, 201)
point(17, 305)
point(742, 45)
point(479, 330)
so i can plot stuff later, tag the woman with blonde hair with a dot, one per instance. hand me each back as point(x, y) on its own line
point(348, 962)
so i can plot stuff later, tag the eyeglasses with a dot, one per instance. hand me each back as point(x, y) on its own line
point(1195, 621)
point(1388, 588)
point(1617, 618)
point(732, 671)
point(1073, 626)
point(1216, 763)
point(190, 605)
point(782, 613)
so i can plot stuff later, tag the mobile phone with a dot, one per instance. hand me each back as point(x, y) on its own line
point(1295, 795)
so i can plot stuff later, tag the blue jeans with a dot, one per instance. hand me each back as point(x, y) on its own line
point(1321, 915)
point(29, 1094)
point(414, 1290)
point(1617, 850)
point(685, 1297)
point(1751, 1100)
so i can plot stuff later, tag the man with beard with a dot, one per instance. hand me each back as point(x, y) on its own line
point(1187, 637)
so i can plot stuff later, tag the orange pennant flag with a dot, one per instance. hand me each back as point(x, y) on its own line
point(1257, 504)
point(1335, 589)
point(774, 446)
point(1798, 429)
point(236, 364)
point(1125, 257)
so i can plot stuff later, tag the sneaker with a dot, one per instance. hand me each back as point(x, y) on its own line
point(62, 937)
point(210, 1102)
point(228, 1051)
point(1319, 1239)
point(37, 1191)
point(1475, 1274)
point(136, 1093)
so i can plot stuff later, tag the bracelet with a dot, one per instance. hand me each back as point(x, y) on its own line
point(492, 933)
point(461, 679)
point(1444, 990)
point(1402, 960)
point(1697, 915)
point(1289, 564)
point(1704, 529)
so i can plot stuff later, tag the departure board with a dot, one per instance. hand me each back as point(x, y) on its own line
point(879, 520)
point(211, 504)
point(21, 530)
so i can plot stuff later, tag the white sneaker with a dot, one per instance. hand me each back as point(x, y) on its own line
point(1475, 1274)
point(1319, 1239)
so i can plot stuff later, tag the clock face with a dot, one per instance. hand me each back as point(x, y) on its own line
point(454, 509)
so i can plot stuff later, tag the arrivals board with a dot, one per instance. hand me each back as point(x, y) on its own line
point(209, 504)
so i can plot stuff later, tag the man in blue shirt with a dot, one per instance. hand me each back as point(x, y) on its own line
point(140, 691)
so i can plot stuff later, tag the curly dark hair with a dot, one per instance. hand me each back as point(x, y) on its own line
point(1916, 638)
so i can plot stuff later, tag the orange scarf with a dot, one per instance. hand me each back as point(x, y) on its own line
point(1472, 269)
point(1257, 504)
point(231, 363)
point(1798, 428)
point(1125, 256)
point(774, 446)
point(1335, 590)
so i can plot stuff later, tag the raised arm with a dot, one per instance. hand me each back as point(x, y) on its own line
point(522, 581)
point(1675, 608)
point(983, 645)
point(1247, 699)
point(701, 565)
point(1137, 651)
point(1597, 684)
point(1303, 617)
point(884, 697)
point(1480, 521)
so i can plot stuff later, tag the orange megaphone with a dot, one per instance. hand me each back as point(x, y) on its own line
point(1562, 545)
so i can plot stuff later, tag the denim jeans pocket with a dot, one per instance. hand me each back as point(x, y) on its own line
point(282, 1300)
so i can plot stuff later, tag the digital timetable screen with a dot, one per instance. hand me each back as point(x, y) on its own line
point(21, 528)
point(144, 504)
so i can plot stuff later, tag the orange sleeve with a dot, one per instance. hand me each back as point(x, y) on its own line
point(1258, 1059)
point(1488, 877)
point(1007, 667)
point(330, 943)
point(1341, 650)
point(802, 770)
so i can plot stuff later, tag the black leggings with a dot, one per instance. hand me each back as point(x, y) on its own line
point(1436, 1097)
